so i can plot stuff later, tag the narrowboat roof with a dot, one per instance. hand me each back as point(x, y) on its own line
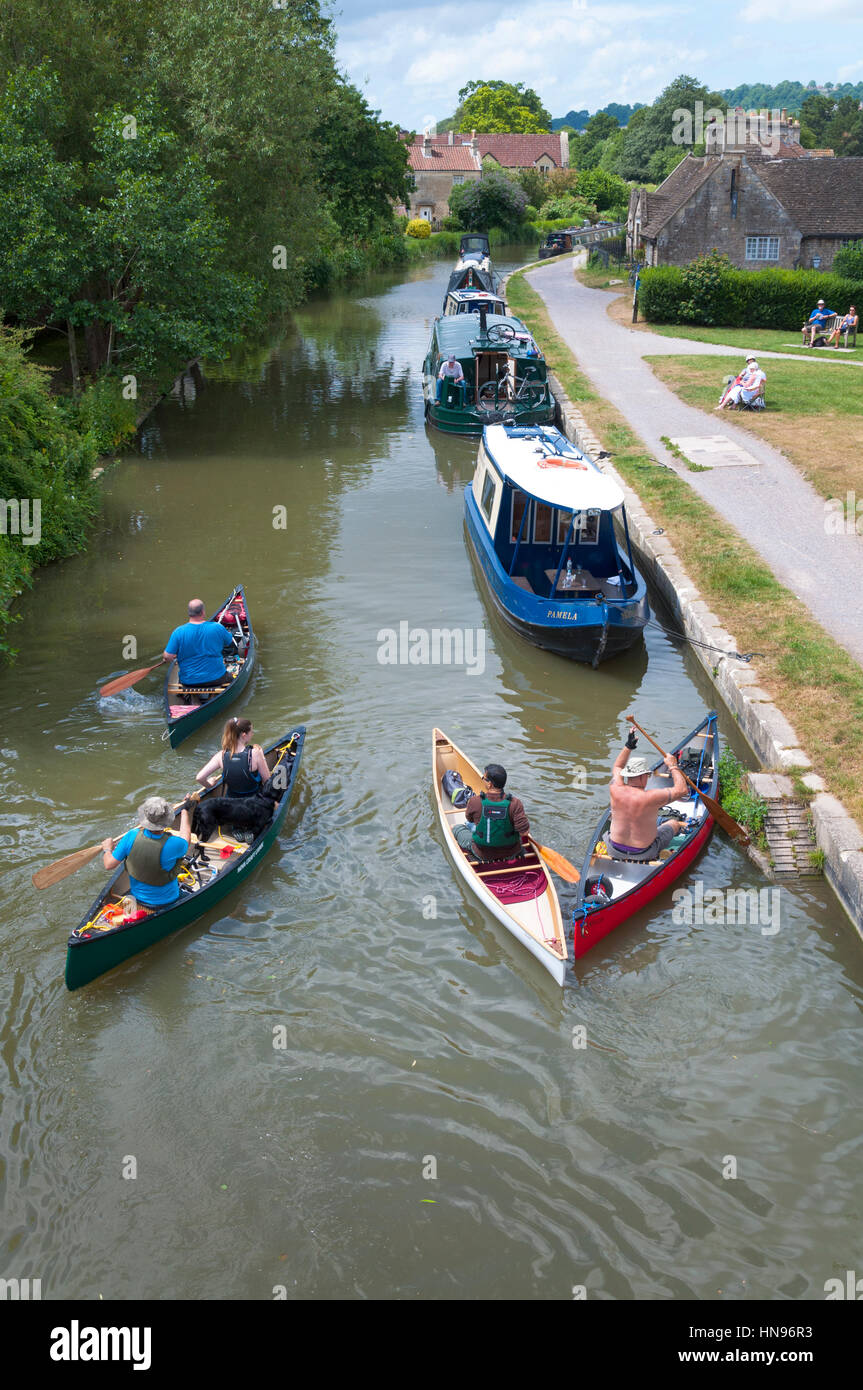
point(459, 333)
point(462, 296)
point(518, 454)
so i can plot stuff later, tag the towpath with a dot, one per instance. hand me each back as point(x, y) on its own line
point(749, 482)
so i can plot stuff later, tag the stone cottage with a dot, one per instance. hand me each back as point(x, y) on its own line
point(761, 205)
point(439, 162)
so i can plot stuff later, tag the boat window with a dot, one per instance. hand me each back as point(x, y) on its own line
point(542, 523)
point(487, 501)
point(518, 504)
point(563, 520)
point(587, 527)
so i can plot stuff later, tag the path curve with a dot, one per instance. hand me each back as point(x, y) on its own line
point(769, 503)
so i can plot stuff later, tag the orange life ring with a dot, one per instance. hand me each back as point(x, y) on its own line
point(553, 462)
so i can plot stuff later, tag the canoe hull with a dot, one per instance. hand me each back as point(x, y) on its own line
point(551, 954)
point(180, 729)
point(89, 957)
point(592, 924)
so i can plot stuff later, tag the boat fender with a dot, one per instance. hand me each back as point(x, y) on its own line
point(599, 891)
point(553, 462)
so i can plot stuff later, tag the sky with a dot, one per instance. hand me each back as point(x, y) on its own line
point(410, 60)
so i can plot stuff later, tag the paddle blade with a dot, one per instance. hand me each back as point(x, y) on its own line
point(124, 682)
point(728, 823)
point(557, 863)
point(62, 868)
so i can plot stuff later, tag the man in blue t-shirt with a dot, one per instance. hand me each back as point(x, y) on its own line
point(817, 320)
point(199, 646)
point(152, 852)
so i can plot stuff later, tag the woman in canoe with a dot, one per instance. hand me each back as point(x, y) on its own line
point(239, 763)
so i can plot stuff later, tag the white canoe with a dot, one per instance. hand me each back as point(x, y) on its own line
point(519, 893)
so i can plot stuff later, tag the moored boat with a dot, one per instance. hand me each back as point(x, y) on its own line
point(612, 890)
point(541, 518)
point(473, 269)
point(184, 710)
point(108, 935)
point(470, 302)
point(558, 243)
point(505, 374)
point(518, 892)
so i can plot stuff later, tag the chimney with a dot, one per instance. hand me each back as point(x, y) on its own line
point(451, 137)
point(426, 143)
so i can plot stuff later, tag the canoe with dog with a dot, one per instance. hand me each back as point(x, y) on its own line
point(116, 928)
point(518, 892)
point(613, 889)
point(185, 709)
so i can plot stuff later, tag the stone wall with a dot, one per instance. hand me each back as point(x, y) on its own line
point(433, 188)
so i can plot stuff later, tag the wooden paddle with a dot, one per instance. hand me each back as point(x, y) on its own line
point(131, 678)
point(71, 863)
point(556, 862)
point(729, 825)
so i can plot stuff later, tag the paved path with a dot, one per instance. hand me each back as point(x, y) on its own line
point(768, 501)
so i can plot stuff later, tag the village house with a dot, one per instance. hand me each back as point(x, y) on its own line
point(762, 202)
point(439, 162)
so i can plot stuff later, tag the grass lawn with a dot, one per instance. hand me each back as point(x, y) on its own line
point(757, 340)
point(811, 678)
point(600, 279)
point(815, 416)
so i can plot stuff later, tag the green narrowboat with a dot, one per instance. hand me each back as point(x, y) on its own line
point(505, 374)
point(108, 935)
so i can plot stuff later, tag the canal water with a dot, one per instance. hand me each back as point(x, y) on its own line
point(432, 1126)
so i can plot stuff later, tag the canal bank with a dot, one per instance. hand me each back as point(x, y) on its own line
point(766, 727)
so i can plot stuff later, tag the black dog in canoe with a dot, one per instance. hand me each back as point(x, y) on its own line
point(235, 812)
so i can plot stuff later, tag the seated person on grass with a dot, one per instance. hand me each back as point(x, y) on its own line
point(817, 319)
point(845, 324)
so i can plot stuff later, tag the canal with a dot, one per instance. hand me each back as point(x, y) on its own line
point(347, 1081)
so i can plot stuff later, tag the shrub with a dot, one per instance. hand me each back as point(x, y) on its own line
point(848, 261)
point(418, 227)
point(531, 213)
point(705, 293)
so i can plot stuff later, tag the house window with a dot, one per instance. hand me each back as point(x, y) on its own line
point(518, 501)
point(457, 178)
point(762, 248)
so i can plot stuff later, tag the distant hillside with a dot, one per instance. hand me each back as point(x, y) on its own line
point(579, 119)
point(754, 96)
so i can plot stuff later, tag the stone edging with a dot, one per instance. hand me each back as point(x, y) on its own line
point(766, 728)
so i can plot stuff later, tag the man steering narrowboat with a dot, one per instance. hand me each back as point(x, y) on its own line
point(495, 822)
point(450, 367)
point(634, 833)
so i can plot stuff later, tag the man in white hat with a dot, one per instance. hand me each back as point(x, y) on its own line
point(153, 852)
point(812, 329)
point(634, 833)
point(747, 387)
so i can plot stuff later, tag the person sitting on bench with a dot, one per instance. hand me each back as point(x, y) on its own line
point(814, 327)
point(634, 833)
point(495, 823)
point(200, 647)
point(845, 325)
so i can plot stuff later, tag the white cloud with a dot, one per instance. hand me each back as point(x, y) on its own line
point(787, 12)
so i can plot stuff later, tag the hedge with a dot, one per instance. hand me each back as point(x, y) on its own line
point(745, 298)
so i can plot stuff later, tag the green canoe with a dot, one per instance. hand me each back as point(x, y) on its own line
point(92, 950)
point(233, 614)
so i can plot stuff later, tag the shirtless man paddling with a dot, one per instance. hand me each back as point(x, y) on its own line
point(634, 833)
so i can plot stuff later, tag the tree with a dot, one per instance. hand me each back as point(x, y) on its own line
point(492, 201)
point(848, 261)
point(497, 107)
point(363, 163)
point(602, 189)
point(844, 130)
point(652, 128)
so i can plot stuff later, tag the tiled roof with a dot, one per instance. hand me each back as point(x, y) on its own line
point(511, 151)
point(675, 191)
point(823, 196)
point(441, 157)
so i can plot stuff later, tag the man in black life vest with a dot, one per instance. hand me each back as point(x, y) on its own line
point(495, 822)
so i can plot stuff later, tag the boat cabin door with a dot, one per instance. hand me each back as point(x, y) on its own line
point(491, 367)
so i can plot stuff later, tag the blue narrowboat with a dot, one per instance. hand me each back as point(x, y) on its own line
point(541, 520)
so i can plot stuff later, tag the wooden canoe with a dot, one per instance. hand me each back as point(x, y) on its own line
point(518, 892)
point(234, 615)
point(94, 949)
point(635, 883)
